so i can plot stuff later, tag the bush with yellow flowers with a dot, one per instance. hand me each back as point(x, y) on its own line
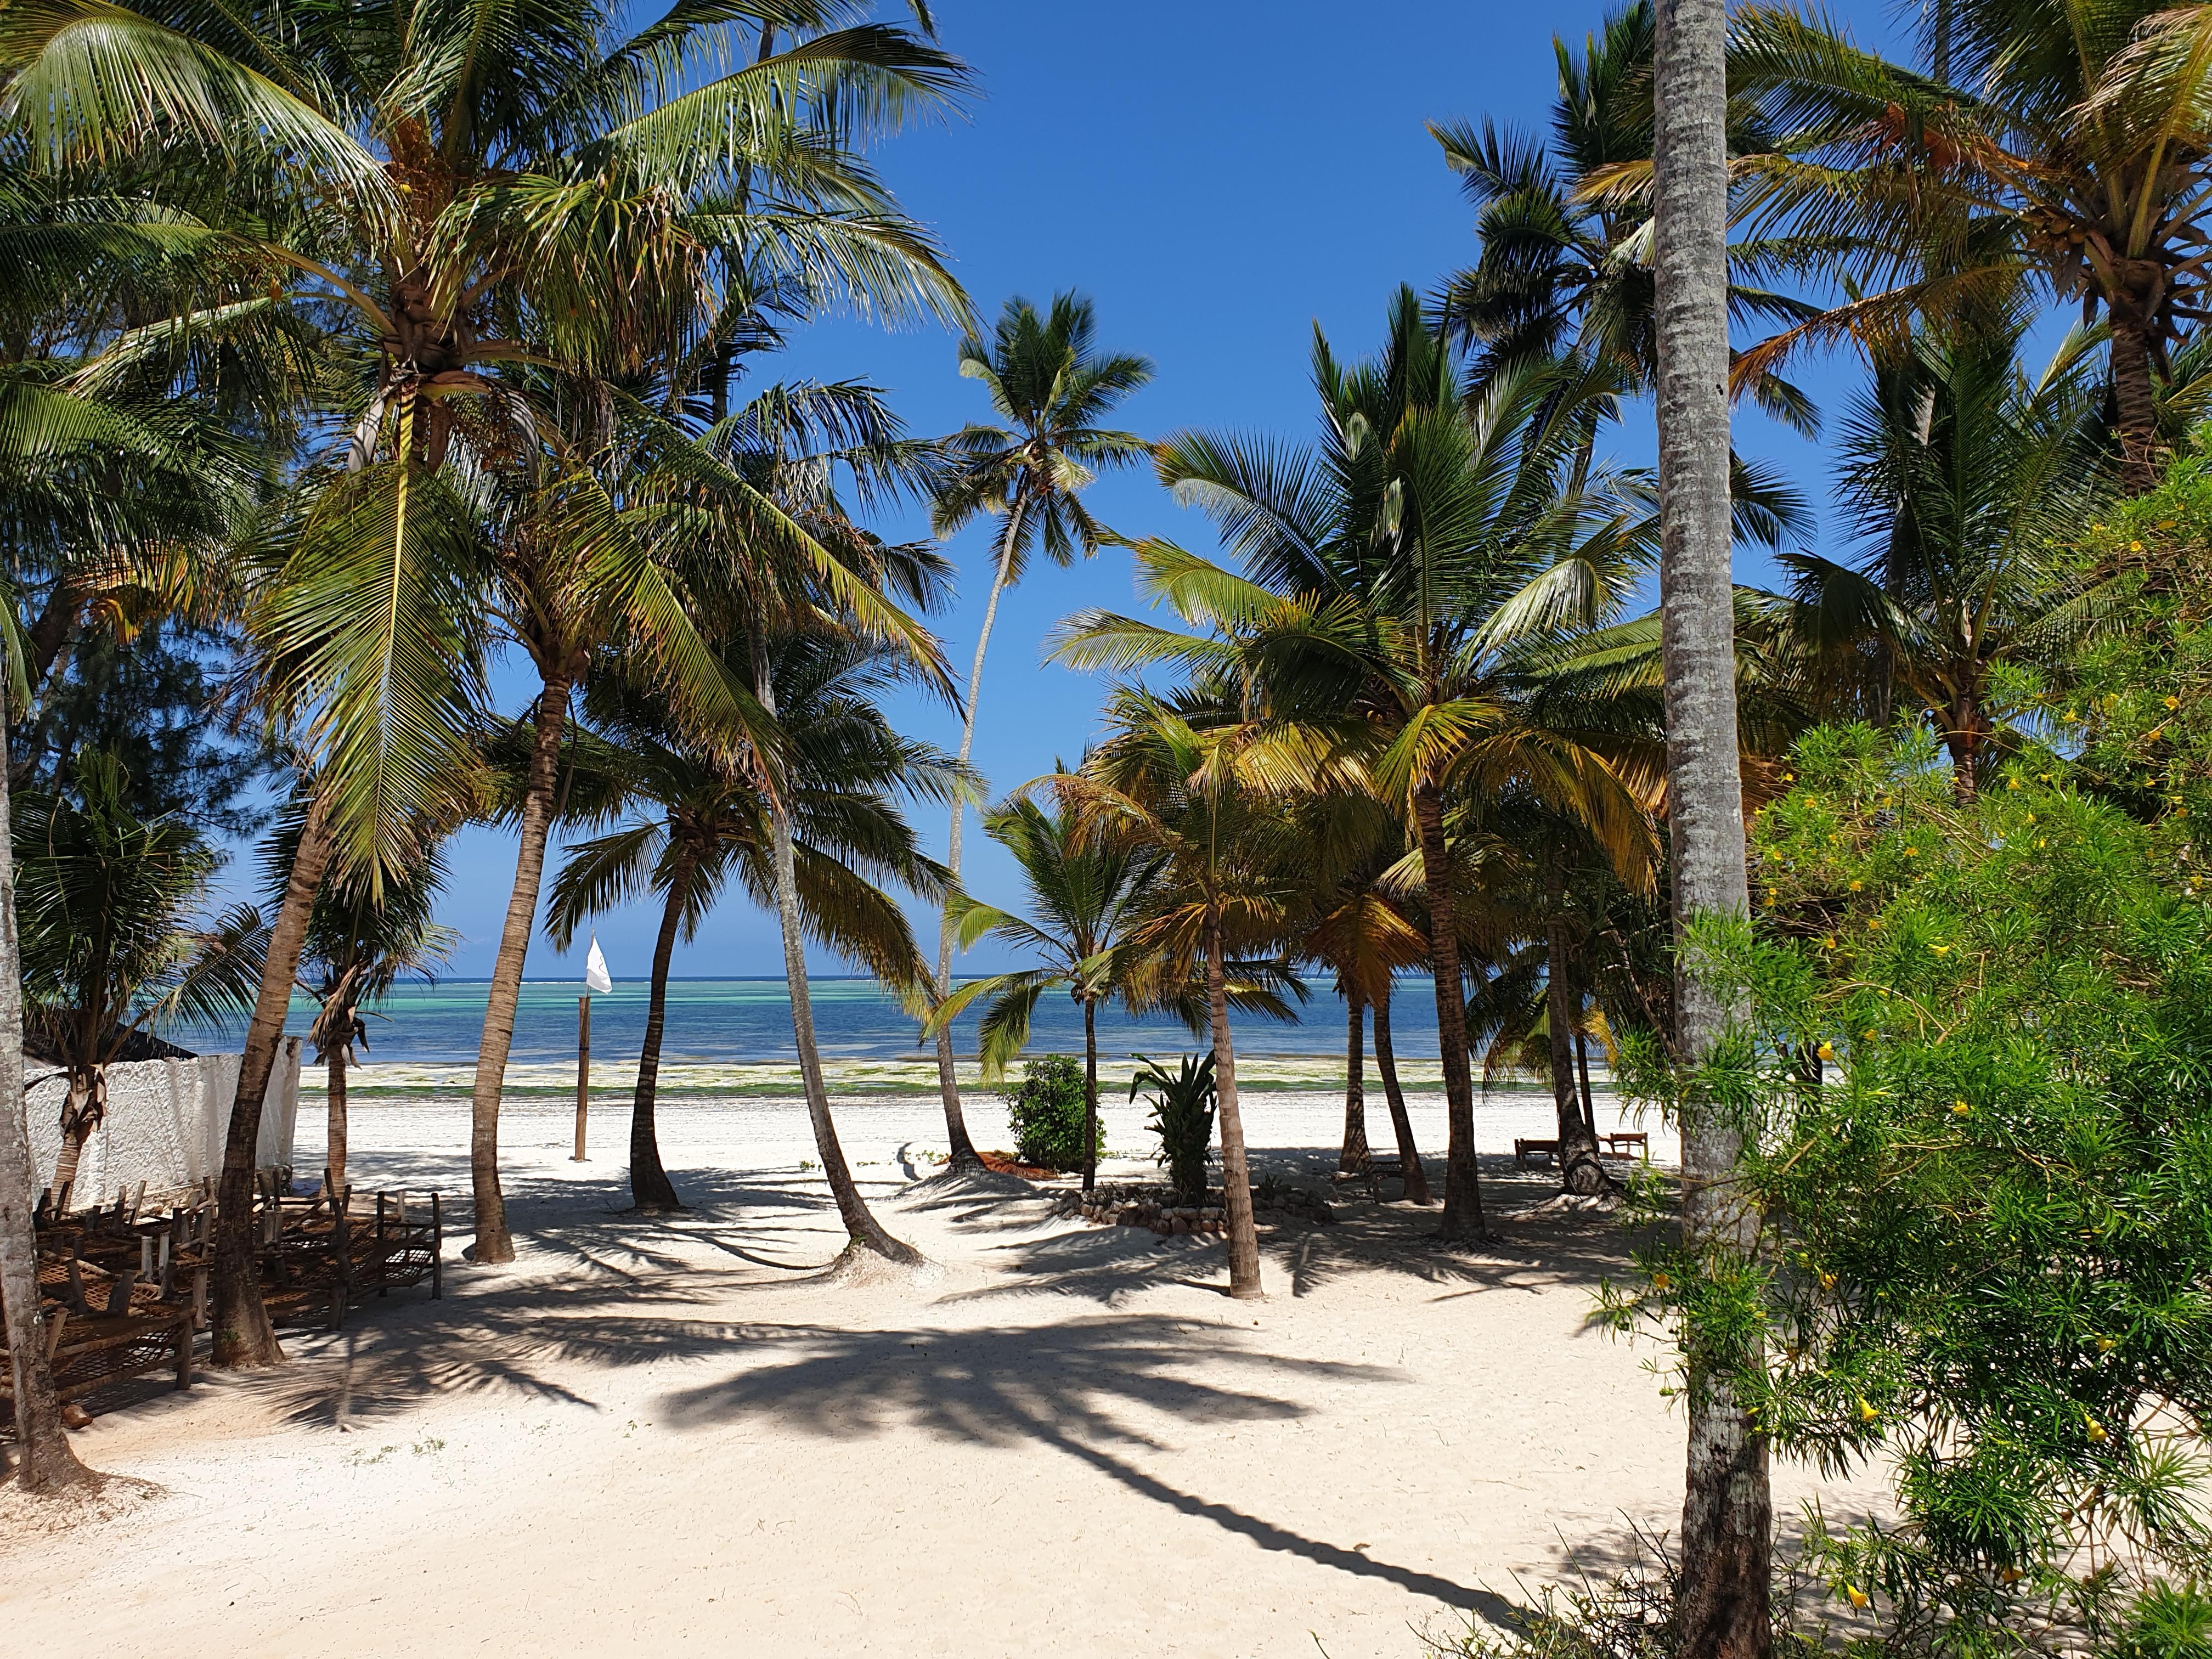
point(1975, 1073)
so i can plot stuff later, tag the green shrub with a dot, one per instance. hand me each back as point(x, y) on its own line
point(1976, 1081)
point(1047, 1112)
point(1182, 1117)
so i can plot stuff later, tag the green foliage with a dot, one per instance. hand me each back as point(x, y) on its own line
point(1976, 1080)
point(1047, 1111)
point(1182, 1117)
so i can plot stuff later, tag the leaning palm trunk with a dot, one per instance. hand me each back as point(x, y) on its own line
point(2133, 400)
point(1462, 1217)
point(1402, 1125)
point(494, 1243)
point(41, 1441)
point(1354, 1155)
point(1724, 1611)
point(863, 1231)
point(948, 1082)
point(243, 1336)
point(650, 1187)
point(86, 1103)
point(1236, 1173)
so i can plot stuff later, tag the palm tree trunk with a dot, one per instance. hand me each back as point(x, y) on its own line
point(49, 1463)
point(650, 1188)
point(948, 1083)
point(1724, 1609)
point(243, 1336)
point(1462, 1217)
point(334, 1118)
point(1089, 1094)
point(863, 1231)
point(81, 1115)
point(1963, 740)
point(2136, 406)
point(494, 1243)
point(1353, 1155)
point(1409, 1157)
point(1581, 1170)
point(1236, 1173)
point(1581, 1077)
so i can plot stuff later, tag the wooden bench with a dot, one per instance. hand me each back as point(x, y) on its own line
point(1373, 1174)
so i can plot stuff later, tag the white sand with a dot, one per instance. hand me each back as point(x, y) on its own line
point(648, 1436)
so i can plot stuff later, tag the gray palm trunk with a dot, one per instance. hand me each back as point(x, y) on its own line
point(948, 1083)
point(1235, 1171)
point(1463, 1217)
point(1090, 1093)
point(48, 1462)
point(244, 1339)
point(1581, 1169)
point(862, 1229)
point(334, 1121)
point(494, 1243)
point(1402, 1125)
point(1724, 1611)
point(1353, 1155)
point(650, 1188)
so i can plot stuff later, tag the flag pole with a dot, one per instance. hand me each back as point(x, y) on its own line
point(583, 1070)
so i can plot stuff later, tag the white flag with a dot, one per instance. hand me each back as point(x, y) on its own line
point(596, 977)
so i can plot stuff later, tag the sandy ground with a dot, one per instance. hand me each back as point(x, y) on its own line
point(658, 1435)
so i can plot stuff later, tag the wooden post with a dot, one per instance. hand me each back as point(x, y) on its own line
point(583, 1071)
point(437, 1251)
point(382, 1264)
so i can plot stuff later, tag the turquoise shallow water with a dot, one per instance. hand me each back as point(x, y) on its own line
point(726, 1021)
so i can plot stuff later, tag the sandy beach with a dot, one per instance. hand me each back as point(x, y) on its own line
point(657, 1434)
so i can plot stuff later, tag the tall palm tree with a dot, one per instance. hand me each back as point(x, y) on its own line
point(1723, 1610)
point(1085, 896)
point(692, 822)
point(1566, 265)
point(1169, 778)
point(1051, 386)
point(2063, 151)
point(1971, 484)
point(1399, 582)
point(114, 946)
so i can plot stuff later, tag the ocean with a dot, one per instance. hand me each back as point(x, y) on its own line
point(722, 1022)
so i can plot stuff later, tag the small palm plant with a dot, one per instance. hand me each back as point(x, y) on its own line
point(1182, 1117)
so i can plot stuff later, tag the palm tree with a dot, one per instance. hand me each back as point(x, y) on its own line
point(1723, 1609)
point(1051, 385)
point(1398, 583)
point(113, 946)
point(1565, 264)
point(1970, 484)
point(2063, 150)
point(517, 222)
point(360, 944)
point(692, 822)
point(1087, 896)
point(1169, 778)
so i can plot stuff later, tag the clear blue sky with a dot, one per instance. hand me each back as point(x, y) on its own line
point(1219, 177)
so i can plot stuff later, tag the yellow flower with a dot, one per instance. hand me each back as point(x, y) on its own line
point(2031, 818)
point(1959, 1108)
point(2010, 1575)
point(2012, 783)
point(2043, 777)
point(2095, 1431)
point(1856, 885)
point(1941, 950)
point(1827, 1281)
point(2105, 1345)
point(2173, 702)
point(2135, 546)
point(1867, 1413)
point(2073, 714)
point(1826, 1051)
point(1868, 1032)
point(2157, 733)
point(1873, 924)
point(1911, 851)
point(1662, 1282)
point(2040, 843)
point(1856, 1596)
point(1828, 943)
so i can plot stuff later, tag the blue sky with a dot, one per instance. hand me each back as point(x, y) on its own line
point(1219, 177)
